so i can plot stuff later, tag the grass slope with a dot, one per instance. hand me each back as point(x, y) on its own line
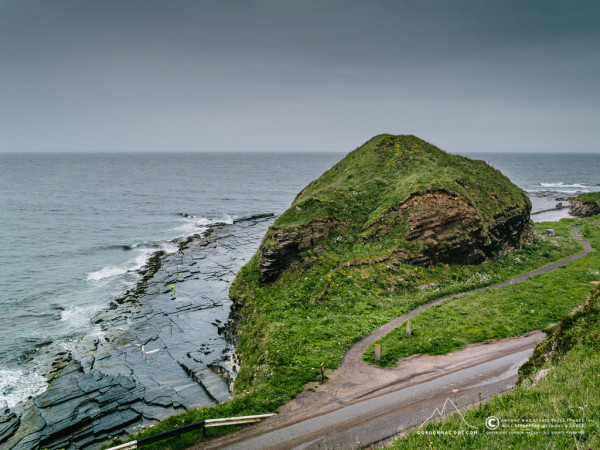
point(530, 305)
point(590, 197)
point(569, 394)
point(386, 169)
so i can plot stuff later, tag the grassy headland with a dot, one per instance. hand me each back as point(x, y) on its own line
point(375, 197)
point(590, 197)
point(356, 278)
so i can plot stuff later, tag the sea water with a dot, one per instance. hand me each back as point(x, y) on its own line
point(74, 228)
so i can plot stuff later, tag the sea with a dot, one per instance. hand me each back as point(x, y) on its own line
point(75, 228)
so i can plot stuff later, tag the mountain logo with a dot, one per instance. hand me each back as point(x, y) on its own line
point(445, 409)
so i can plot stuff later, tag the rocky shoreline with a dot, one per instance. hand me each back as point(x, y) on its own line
point(163, 348)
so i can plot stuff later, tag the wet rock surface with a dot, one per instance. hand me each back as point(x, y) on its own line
point(159, 349)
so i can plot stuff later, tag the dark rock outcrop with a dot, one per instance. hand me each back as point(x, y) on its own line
point(582, 208)
point(444, 224)
point(285, 247)
point(450, 231)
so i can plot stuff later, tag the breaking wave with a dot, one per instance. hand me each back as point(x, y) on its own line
point(16, 386)
point(563, 185)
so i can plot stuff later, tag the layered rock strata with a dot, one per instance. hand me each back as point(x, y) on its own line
point(451, 232)
point(285, 247)
point(435, 207)
point(444, 224)
point(582, 208)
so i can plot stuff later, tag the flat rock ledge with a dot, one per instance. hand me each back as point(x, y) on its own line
point(160, 349)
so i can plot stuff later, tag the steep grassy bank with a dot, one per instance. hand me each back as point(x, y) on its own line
point(561, 409)
point(372, 179)
point(496, 314)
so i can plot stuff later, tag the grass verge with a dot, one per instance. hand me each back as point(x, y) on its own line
point(566, 401)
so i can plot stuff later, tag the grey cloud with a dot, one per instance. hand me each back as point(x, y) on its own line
point(297, 75)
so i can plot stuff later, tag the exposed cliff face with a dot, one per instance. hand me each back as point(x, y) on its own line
point(444, 225)
point(286, 247)
point(451, 232)
point(583, 208)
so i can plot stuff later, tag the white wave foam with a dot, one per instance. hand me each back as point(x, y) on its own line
point(562, 185)
point(141, 259)
point(132, 265)
point(15, 386)
point(105, 272)
point(169, 247)
point(193, 224)
point(79, 316)
point(559, 191)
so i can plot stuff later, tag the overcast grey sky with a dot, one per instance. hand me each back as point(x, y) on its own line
point(293, 75)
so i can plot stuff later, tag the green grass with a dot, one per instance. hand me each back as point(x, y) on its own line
point(570, 391)
point(286, 332)
point(590, 197)
point(369, 182)
point(289, 328)
point(494, 314)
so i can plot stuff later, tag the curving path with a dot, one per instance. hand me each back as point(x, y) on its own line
point(354, 356)
point(362, 404)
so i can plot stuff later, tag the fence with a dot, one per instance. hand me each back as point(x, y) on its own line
point(203, 425)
